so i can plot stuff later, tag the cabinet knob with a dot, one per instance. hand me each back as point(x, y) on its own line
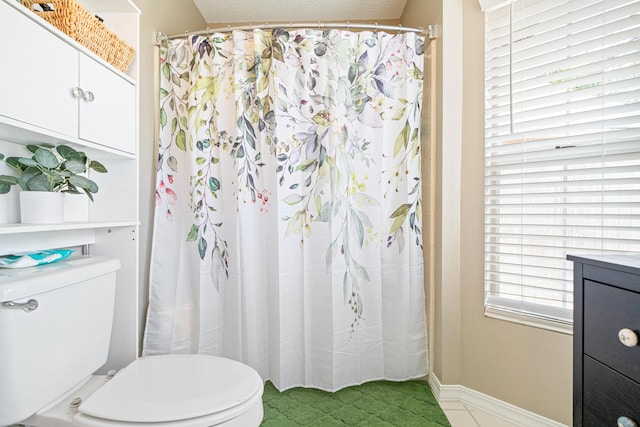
point(626, 422)
point(628, 337)
point(88, 96)
point(77, 92)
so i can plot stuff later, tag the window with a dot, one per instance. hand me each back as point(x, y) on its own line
point(562, 148)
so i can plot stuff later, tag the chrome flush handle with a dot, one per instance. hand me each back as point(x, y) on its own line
point(28, 306)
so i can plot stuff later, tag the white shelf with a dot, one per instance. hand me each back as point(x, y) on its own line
point(38, 228)
point(25, 133)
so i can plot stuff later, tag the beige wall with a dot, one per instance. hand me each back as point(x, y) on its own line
point(170, 17)
point(525, 366)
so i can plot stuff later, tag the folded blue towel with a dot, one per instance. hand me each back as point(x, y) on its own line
point(31, 259)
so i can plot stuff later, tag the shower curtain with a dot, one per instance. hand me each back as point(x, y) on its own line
point(287, 227)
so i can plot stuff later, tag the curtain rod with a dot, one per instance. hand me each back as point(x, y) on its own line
point(431, 33)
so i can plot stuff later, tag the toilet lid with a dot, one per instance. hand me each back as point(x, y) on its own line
point(172, 388)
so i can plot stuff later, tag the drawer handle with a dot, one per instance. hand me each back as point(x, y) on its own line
point(626, 422)
point(628, 337)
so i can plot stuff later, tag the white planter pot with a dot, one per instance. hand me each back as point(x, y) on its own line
point(76, 207)
point(41, 207)
point(9, 211)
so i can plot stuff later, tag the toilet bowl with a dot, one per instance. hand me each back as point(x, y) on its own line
point(55, 329)
point(167, 391)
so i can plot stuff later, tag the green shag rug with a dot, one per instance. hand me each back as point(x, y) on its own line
point(378, 404)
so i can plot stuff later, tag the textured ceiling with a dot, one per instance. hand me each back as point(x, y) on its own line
point(276, 11)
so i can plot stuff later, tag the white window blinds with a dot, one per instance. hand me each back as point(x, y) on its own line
point(562, 148)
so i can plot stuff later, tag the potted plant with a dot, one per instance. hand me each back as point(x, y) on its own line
point(49, 173)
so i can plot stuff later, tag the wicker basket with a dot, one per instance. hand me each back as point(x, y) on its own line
point(75, 21)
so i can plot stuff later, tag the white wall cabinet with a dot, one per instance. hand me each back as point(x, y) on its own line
point(39, 70)
point(56, 87)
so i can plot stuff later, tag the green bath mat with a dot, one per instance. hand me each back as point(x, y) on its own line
point(378, 403)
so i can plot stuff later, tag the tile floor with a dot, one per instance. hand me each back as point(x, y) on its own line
point(461, 415)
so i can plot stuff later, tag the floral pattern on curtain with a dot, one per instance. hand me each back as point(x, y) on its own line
point(288, 205)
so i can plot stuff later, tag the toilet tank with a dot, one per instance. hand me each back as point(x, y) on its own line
point(46, 351)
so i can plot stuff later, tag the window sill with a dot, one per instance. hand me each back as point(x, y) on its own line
point(563, 327)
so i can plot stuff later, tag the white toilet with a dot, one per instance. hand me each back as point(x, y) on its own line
point(55, 326)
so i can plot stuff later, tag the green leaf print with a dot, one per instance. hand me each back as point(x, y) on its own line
point(181, 140)
point(193, 233)
point(163, 118)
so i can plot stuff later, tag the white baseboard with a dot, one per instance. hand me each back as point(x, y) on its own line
point(499, 408)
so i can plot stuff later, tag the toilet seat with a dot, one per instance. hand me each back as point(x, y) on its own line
point(175, 390)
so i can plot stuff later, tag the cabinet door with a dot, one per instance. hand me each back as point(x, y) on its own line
point(107, 113)
point(38, 74)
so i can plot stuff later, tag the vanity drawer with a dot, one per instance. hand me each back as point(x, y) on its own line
point(608, 396)
point(607, 310)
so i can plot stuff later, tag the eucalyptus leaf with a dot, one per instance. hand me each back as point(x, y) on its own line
point(14, 162)
point(72, 190)
point(46, 158)
point(82, 182)
point(97, 166)
point(39, 183)
point(75, 166)
point(26, 175)
point(69, 153)
point(7, 179)
point(27, 162)
point(88, 193)
point(32, 148)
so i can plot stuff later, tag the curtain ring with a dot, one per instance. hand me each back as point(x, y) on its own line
point(376, 27)
point(348, 25)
